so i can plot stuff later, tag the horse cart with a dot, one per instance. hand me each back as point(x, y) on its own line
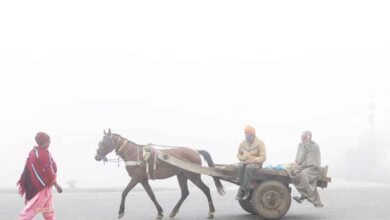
point(271, 194)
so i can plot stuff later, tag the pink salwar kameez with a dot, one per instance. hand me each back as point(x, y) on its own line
point(40, 203)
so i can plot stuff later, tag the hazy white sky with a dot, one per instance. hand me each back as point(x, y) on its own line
point(188, 73)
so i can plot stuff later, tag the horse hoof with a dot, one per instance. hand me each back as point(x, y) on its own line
point(160, 216)
point(211, 215)
point(173, 214)
point(121, 215)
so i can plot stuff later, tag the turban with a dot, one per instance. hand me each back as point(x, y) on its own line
point(250, 130)
point(41, 138)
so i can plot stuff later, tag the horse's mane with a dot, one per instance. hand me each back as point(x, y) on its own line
point(124, 138)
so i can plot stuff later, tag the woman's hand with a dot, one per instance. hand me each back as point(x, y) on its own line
point(58, 187)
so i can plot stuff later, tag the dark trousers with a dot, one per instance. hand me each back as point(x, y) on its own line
point(245, 173)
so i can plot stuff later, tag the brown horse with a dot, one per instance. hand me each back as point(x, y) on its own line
point(131, 153)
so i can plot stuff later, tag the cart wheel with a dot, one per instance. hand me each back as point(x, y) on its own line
point(271, 199)
point(247, 205)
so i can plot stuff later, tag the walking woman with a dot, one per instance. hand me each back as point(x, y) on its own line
point(37, 180)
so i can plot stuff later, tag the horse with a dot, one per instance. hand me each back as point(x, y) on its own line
point(131, 153)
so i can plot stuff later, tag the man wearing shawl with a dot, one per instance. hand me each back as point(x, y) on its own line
point(306, 171)
point(251, 155)
point(38, 178)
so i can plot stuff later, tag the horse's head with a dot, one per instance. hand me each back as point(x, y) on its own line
point(106, 146)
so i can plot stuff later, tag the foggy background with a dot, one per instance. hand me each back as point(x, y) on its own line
point(195, 73)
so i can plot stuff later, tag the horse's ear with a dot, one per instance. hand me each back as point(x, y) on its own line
point(109, 132)
point(104, 132)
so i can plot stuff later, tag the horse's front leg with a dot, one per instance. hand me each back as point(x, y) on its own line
point(133, 182)
point(149, 190)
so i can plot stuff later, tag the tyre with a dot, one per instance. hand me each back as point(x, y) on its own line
point(247, 206)
point(271, 199)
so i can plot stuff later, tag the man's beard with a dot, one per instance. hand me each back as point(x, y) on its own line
point(250, 139)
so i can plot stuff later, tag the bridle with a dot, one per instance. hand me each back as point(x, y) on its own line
point(102, 154)
point(118, 149)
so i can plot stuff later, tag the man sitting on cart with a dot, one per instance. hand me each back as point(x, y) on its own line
point(251, 155)
point(306, 170)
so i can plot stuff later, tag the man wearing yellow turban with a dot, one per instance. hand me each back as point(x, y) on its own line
point(251, 155)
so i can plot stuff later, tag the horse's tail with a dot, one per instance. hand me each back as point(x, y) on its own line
point(210, 162)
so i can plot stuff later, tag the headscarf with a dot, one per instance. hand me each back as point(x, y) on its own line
point(41, 138)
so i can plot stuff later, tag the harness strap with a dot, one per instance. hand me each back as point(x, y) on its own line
point(122, 145)
point(129, 162)
point(132, 163)
point(146, 153)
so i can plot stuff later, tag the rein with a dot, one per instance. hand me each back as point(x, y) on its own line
point(112, 161)
point(119, 147)
point(117, 160)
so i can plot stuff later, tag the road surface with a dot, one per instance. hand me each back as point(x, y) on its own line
point(352, 203)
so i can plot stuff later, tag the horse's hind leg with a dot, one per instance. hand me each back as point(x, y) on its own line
point(149, 190)
point(197, 180)
point(129, 187)
point(184, 193)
